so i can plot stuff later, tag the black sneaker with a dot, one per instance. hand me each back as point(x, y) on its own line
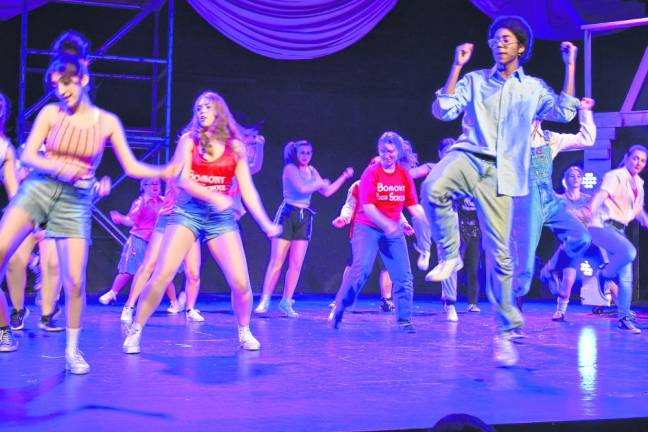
point(17, 320)
point(406, 326)
point(387, 305)
point(48, 322)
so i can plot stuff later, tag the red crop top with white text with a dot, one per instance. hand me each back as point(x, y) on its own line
point(216, 175)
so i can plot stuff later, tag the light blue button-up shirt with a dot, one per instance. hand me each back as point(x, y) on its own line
point(498, 118)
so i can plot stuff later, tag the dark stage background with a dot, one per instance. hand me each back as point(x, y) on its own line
point(342, 103)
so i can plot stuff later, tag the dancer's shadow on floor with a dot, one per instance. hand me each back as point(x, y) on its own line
point(217, 370)
point(18, 402)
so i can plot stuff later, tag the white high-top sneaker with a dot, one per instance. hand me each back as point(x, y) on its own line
point(132, 341)
point(246, 340)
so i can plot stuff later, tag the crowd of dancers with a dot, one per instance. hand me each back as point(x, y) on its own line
point(490, 194)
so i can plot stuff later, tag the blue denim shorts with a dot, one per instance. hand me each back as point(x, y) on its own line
point(132, 255)
point(63, 210)
point(204, 221)
point(161, 223)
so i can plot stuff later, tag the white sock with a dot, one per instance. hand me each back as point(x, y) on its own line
point(561, 304)
point(72, 339)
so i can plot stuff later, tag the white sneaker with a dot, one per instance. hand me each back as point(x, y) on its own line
point(246, 340)
point(174, 308)
point(444, 270)
point(182, 300)
point(194, 315)
point(127, 315)
point(473, 308)
point(558, 316)
point(108, 297)
point(75, 363)
point(423, 261)
point(451, 313)
point(504, 352)
point(263, 306)
point(132, 342)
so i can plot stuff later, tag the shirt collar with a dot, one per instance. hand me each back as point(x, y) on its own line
point(519, 73)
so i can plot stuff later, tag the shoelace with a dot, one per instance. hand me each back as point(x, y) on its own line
point(77, 357)
point(4, 337)
point(132, 330)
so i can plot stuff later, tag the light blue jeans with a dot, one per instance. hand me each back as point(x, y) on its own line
point(621, 254)
point(366, 243)
point(458, 175)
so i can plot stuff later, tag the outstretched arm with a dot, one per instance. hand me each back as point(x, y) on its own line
point(333, 187)
point(250, 195)
point(421, 171)
point(291, 176)
point(132, 167)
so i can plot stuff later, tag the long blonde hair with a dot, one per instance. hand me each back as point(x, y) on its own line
point(225, 128)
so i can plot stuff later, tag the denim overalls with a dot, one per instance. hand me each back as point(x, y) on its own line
point(541, 207)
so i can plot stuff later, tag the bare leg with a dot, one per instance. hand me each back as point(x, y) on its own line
point(176, 243)
point(228, 252)
point(17, 272)
point(15, 226)
point(170, 290)
point(192, 275)
point(121, 280)
point(385, 284)
point(146, 268)
point(278, 255)
point(567, 283)
point(50, 273)
point(73, 256)
point(298, 250)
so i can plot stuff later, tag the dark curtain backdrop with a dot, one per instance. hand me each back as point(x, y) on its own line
point(341, 102)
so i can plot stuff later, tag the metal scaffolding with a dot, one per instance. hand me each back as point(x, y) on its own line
point(154, 139)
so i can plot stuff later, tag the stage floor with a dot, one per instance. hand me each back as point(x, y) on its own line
point(365, 376)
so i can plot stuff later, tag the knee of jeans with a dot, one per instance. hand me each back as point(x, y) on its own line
point(436, 192)
point(503, 263)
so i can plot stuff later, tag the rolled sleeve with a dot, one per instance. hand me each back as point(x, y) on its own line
point(560, 108)
point(447, 107)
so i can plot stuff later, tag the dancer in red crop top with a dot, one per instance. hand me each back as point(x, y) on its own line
point(211, 155)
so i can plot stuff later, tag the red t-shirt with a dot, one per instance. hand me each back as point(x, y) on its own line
point(389, 192)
